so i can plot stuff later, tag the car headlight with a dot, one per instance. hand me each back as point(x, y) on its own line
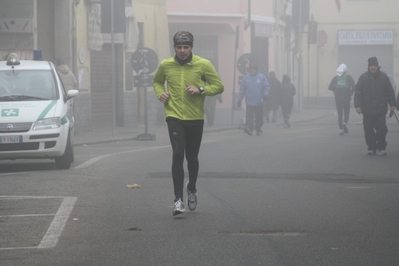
point(47, 123)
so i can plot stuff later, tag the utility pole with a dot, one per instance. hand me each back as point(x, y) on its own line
point(300, 56)
point(248, 23)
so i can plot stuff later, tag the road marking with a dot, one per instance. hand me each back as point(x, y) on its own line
point(17, 173)
point(98, 158)
point(25, 215)
point(95, 159)
point(50, 239)
point(18, 248)
point(265, 233)
point(31, 197)
point(53, 233)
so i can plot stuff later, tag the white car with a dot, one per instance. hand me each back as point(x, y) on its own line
point(36, 119)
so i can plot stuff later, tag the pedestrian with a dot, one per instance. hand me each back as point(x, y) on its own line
point(272, 105)
point(343, 87)
point(255, 88)
point(210, 108)
point(287, 93)
point(189, 78)
point(66, 75)
point(390, 78)
point(372, 95)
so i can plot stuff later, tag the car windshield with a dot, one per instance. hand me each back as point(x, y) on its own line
point(27, 85)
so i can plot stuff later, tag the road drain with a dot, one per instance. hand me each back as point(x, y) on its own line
point(264, 233)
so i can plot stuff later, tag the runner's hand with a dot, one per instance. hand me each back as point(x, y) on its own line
point(192, 90)
point(164, 97)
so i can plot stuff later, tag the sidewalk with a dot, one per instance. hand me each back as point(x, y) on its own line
point(107, 134)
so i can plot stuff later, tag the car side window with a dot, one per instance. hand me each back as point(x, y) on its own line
point(41, 84)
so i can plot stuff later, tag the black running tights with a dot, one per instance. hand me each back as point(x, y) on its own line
point(343, 109)
point(186, 140)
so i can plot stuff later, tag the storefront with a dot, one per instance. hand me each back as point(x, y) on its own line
point(356, 46)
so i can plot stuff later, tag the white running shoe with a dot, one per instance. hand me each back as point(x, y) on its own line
point(179, 208)
point(191, 199)
point(381, 152)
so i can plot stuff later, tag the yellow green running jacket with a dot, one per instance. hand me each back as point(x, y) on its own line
point(200, 73)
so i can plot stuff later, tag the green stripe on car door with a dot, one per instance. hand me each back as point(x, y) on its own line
point(46, 110)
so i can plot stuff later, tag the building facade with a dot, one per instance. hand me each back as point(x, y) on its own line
point(71, 29)
point(350, 33)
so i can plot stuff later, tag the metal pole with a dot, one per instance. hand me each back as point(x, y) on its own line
point(113, 69)
point(299, 55)
point(317, 75)
point(145, 109)
point(234, 98)
point(249, 15)
point(308, 75)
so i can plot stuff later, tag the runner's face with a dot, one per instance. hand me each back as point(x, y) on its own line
point(183, 51)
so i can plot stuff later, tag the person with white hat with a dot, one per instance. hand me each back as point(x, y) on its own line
point(343, 87)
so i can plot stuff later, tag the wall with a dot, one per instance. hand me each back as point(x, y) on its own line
point(13, 39)
point(155, 35)
point(354, 15)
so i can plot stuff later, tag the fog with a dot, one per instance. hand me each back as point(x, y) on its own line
point(308, 183)
point(275, 33)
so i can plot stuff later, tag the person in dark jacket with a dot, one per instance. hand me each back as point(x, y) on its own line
point(66, 75)
point(372, 95)
point(272, 103)
point(343, 87)
point(287, 93)
point(255, 88)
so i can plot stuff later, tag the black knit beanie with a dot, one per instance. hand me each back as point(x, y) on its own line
point(373, 61)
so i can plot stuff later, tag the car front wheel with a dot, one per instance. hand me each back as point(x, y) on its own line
point(65, 161)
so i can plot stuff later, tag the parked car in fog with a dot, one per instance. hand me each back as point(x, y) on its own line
point(36, 119)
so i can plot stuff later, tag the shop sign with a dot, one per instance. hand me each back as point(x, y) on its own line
point(365, 37)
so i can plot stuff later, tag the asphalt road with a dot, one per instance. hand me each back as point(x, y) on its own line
point(298, 196)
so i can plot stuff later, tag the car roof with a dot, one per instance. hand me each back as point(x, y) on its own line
point(27, 65)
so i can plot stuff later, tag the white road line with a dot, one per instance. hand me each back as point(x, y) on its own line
point(57, 225)
point(31, 197)
point(17, 173)
point(95, 159)
point(18, 248)
point(25, 215)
